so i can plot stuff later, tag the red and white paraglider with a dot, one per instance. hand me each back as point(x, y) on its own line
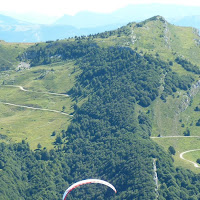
point(87, 181)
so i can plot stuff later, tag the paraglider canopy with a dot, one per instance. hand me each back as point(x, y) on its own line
point(87, 181)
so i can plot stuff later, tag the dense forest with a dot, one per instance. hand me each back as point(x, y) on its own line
point(107, 138)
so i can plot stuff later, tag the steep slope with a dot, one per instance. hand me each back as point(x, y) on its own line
point(178, 46)
point(158, 37)
point(10, 21)
point(109, 135)
point(106, 138)
point(155, 36)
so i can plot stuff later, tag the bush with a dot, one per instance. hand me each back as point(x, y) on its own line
point(197, 108)
point(172, 150)
point(198, 123)
point(53, 134)
point(198, 161)
point(187, 132)
point(58, 139)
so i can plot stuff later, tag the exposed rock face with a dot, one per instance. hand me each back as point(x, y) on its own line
point(23, 66)
point(195, 88)
point(166, 35)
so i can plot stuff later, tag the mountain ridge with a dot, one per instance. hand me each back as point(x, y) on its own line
point(86, 23)
point(125, 86)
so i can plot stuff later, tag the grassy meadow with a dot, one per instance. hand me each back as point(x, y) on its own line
point(182, 145)
point(155, 36)
point(169, 121)
point(36, 126)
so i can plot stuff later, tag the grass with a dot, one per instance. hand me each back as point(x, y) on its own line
point(168, 122)
point(33, 126)
point(38, 100)
point(10, 51)
point(167, 41)
point(189, 117)
point(158, 37)
point(181, 145)
point(57, 77)
point(193, 156)
point(184, 43)
point(36, 126)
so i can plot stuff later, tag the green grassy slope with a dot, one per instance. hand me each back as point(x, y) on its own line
point(9, 52)
point(168, 120)
point(182, 145)
point(36, 126)
point(108, 137)
point(157, 37)
point(170, 41)
point(153, 36)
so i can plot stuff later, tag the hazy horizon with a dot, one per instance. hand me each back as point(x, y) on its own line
point(45, 11)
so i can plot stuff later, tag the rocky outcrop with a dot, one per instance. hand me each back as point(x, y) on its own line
point(23, 66)
point(187, 98)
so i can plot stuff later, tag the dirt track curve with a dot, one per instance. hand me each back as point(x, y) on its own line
point(34, 108)
point(181, 154)
point(25, 90)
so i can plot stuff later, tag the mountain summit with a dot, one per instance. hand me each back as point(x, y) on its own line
point(86, 23)
point(120, 106)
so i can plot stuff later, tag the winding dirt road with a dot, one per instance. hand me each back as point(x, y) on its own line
point(178, 136)
point(21, 88)
point(181, 154)
point(34, 108)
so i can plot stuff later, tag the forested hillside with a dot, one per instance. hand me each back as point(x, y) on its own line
point(108, 138)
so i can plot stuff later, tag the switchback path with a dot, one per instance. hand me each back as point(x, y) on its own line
point(21, 88)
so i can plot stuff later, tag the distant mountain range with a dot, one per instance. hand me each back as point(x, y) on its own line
point(129, 14)
point(85, 23)
point(13, 30)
